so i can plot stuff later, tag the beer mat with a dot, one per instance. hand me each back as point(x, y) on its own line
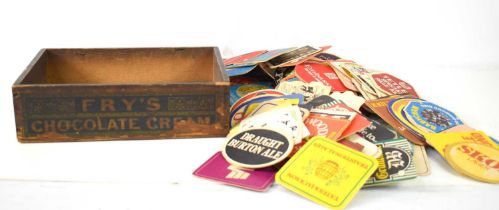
point(440, 141)
point(326, 172)
point(430, 117)
point(377, 132)
point(312, 72)
point(254, 94)
point(239, 90)
point(350, 99)
point(475, 160)
point(344, 78)
point(242, 58)
point(232, 72)
point(324, 56)
point(396, 107)
point(421, 161)
point(395, 162)
point(392, 85)
point(268, 55)
point(380, 107)
point(368, 147)
point(308, 90)
point(218, 169)
point(320, 102)
point(303, 58)
point(327, 126)
point(257, 148)
point(293, 56)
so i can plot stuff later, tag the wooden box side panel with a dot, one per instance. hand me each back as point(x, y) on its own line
point(54, 113)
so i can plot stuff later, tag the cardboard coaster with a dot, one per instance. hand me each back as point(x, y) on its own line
point(327, 56)
point(396, 107)
point(236, 71)
point(327, 126)
point(395, 163)
point(368, 147)
point(495, 140)
point(326, 172)
point(392, 85)
point(359, 75)
point(357, 124)
point(294, 56)
point(237, 115)
point(218, 169)
point(257, 148)
point(431, 117)
point(440, 141)
point(478, 161)
point(350, 99)
point(380, 107)
point(242, 58)
point(239, 90)
point(287, 100)
point(308, 90)
point(344, 78)
point(320, 102)
point(268, 55)
point(248, 96)
point(377, 132)
point(421, 161)
point(311, 72)
point(288, 119)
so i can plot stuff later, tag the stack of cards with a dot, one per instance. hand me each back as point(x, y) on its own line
point(324, 127)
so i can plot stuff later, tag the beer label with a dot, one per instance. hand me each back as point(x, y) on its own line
point(257, 148)
point(326, 172)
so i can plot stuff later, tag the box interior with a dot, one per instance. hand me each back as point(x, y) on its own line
point(125, 66)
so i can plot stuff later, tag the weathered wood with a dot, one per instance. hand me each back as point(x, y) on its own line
point(60, 98)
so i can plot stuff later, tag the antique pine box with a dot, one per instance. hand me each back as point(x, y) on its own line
point(132, 93)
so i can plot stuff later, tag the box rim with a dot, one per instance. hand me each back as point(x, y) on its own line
point(218, 63)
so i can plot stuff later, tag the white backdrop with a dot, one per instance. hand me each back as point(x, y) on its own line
point(448, 50)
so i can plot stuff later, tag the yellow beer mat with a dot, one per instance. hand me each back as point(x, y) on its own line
point(478, 161)
point(327, 172)
point(441, 140)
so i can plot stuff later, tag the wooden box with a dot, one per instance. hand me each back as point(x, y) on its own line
point(130, 93)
